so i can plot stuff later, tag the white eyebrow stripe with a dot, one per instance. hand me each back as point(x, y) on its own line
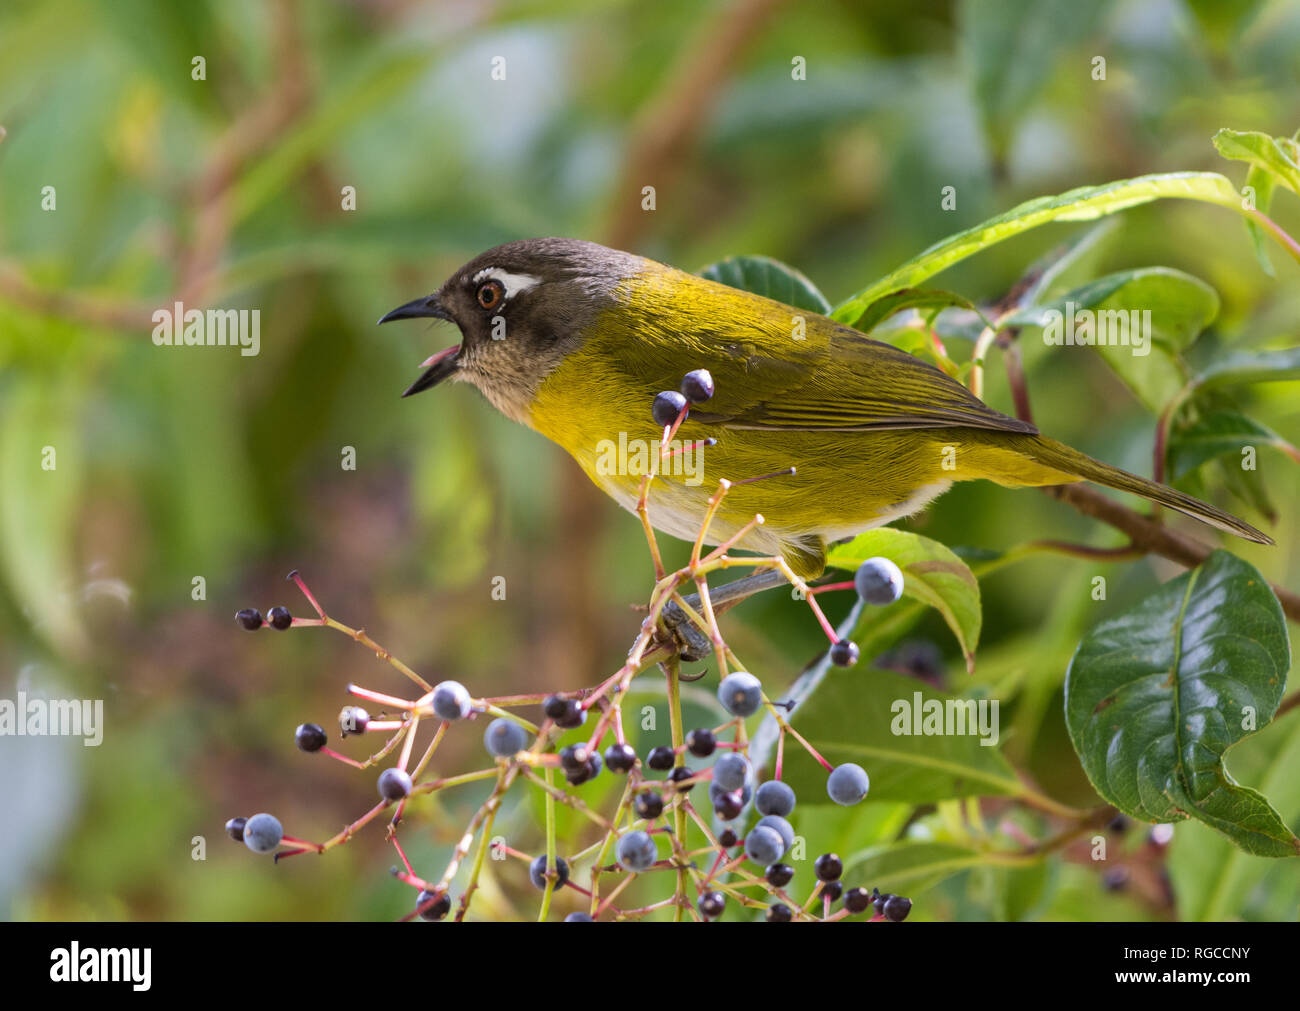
point(513, 283)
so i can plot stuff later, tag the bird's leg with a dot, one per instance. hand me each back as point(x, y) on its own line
point(694, 642)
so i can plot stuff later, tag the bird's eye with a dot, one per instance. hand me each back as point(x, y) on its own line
point(490, 294)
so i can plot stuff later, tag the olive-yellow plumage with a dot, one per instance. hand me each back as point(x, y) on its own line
point(576, 340)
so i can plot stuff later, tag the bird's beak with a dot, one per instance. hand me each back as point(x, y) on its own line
point(438, 367)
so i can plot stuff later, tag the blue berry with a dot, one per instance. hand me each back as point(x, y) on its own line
point(878, 581)
point(579, 918)
point(697, 386)
point(394, 784)
point(780, 826)
point(262, 833)
point(740, 694)
point(764, 845)
point(731, 770)
point(636, 851)
point(667, 406)
point(433, 905)
point(847, 784)
point(774, 797)
point(505, 738)
point(537, 871)
point(310, 737)
point(451, 700)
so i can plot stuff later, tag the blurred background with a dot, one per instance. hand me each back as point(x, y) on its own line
point(229, 191)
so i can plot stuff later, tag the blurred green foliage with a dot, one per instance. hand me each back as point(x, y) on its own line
point(175, 464)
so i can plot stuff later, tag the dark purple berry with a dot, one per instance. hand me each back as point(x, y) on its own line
point(439, 904)
point(353, 720)
point(537, 871)
point(648, 805)
point(697, 386)
point(701, 742)
point(711, 905)
point(779, 875)
point(727, 839)
point(844, 653)
point(666, 407)
point(279, 618)
point(897, 908)
point(661, 758)
point(620, 757)
point(779, 912)
point(682, 773)
point(574, 715)
point(310, 737)
point(878, 900)
point(828, 867)
point(728, 806)
point(832, 890)
point(857, 900)
point(573, 757)
point(555, 706)
point(235, 829)
point(394, 784)
point(250, 618)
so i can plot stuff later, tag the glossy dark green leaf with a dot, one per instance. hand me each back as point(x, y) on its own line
point(852, 718)
point(1154, 697)
point(767, 277)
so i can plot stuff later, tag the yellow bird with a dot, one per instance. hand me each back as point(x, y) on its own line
point(576, 340)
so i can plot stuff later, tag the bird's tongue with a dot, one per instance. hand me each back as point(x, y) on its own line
point(433, 359)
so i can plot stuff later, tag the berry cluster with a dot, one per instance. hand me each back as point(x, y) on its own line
point(660, 825)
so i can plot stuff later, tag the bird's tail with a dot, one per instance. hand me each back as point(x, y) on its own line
point(1061, 457)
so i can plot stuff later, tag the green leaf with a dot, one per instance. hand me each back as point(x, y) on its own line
point(1220, 434)
point(1082, 204)
point(1154, 697)
point(1262, 183)
point(1212, 879)
point(767, 277)
point(910, 298)
point(1180, 307)
point(1242, 367)
point(852, 718)
point(1276, 155)
point(932, 574)
point(910, 867)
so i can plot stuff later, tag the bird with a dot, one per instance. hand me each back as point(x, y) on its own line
point(576, 340)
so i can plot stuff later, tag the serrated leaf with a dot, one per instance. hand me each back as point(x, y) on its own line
point(1220, 434)
point(764, 276)
point(1082, 204)
point(852, 717)
point(932, 574)
point(1154, 697)
point(1180, 307)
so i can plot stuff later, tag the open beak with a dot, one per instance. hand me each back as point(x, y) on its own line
point(439, 366)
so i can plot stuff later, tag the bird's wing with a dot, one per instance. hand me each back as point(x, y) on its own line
point(829, 378)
